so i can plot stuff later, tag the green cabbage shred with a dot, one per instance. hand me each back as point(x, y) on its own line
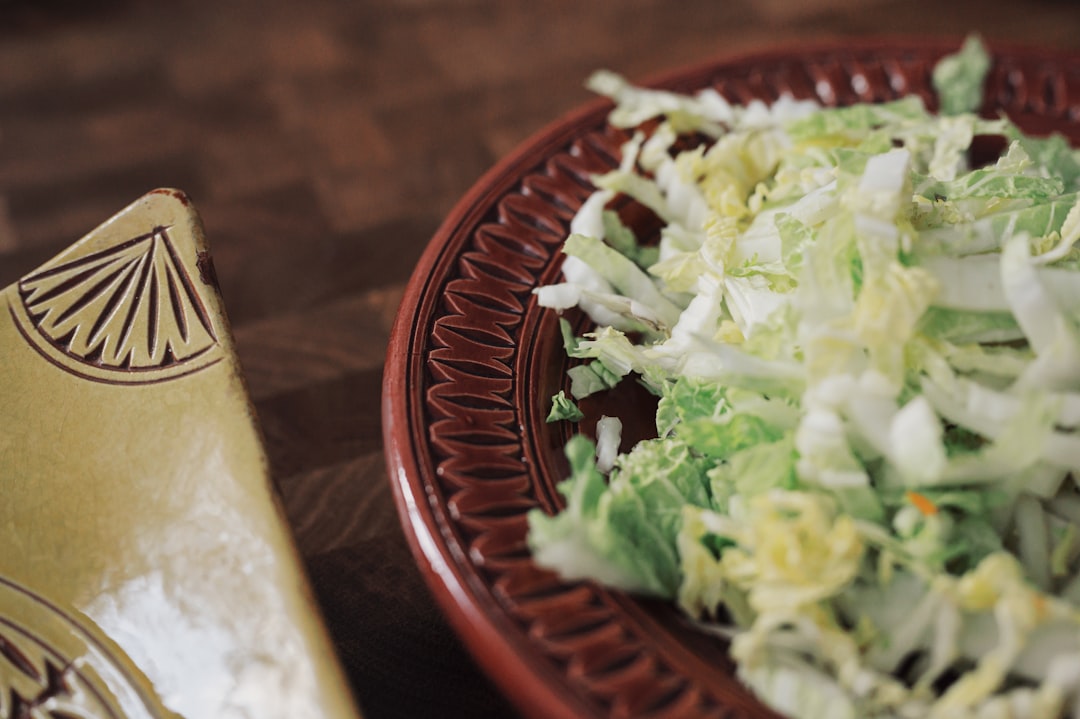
point(866, 354)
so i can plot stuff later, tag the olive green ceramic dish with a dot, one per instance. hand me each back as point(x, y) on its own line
point(145, 570)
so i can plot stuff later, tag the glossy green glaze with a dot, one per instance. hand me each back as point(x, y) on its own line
point(145, 569)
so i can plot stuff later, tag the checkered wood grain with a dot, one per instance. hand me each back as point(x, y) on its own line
point(322, 142)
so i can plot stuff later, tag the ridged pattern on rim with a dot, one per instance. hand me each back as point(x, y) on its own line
point(489, 356)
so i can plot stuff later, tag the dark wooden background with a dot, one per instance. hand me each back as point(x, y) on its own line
point(322, 142)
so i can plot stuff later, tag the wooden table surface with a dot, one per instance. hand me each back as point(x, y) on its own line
point(323, 142)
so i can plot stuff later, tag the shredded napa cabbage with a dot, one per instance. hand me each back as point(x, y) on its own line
point(866, 354)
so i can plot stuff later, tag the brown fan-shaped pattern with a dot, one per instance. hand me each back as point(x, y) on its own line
point(130, 306)
point(51, 667)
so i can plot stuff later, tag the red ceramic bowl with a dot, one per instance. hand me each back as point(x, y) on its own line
point(473, 362)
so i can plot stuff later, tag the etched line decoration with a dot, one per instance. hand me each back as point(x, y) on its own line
point(128, 313)
point(39, 686)
point(51, 668)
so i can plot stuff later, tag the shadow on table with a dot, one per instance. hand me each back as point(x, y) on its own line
point(401, 657)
